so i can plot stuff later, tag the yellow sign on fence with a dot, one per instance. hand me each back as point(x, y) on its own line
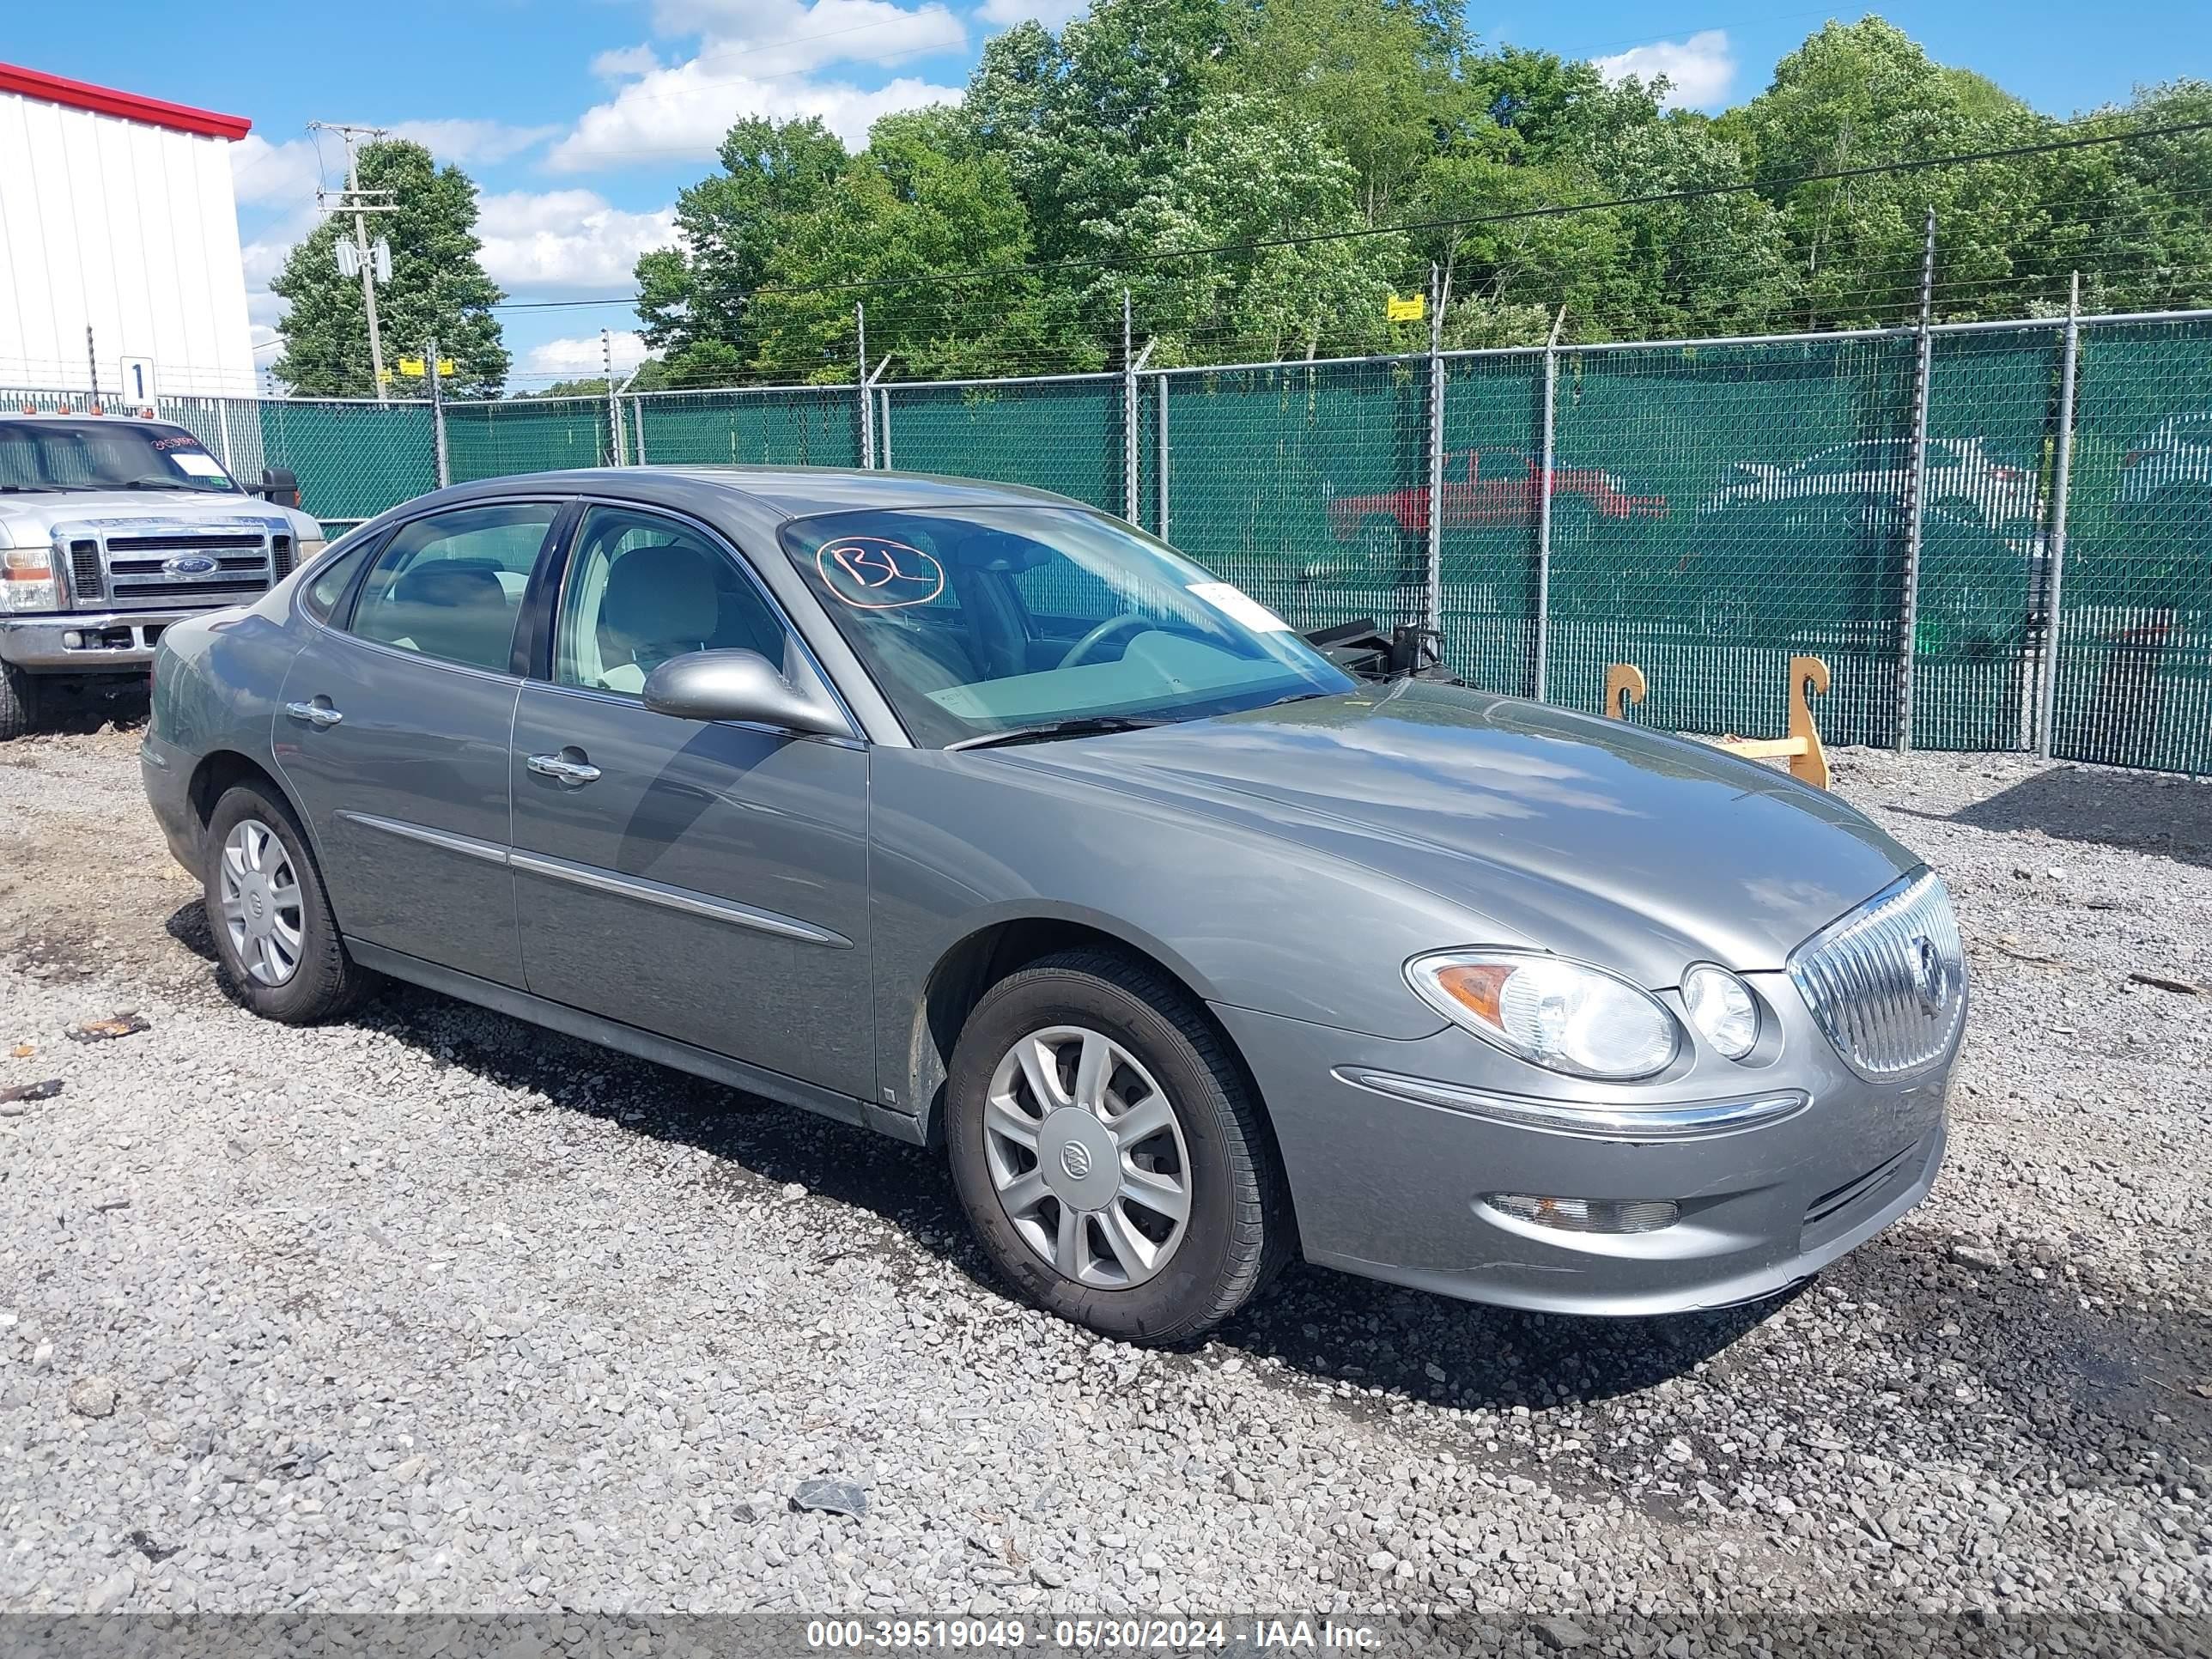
point(1406, 311)
point(413, 366)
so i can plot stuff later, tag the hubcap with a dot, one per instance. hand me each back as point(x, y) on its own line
point(259, 897)
point(1087, 1156)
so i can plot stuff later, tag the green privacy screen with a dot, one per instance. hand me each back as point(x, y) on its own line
point(1978, 644)
point(1297, 483)
point(780, 426)
point(2135, 681)
point(531, 434)
point(1492, 440)
point(1716, 508)
point(352, 459)
point(1062, 435)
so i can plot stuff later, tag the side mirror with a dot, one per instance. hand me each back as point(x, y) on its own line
point(738, 686)
point(280, 485)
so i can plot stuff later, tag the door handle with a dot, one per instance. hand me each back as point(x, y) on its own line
point(560, 766)
point(315, 714)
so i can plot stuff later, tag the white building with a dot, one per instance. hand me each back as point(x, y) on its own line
point(117, 215)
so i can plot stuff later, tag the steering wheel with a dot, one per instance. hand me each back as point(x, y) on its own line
point(1127, 623)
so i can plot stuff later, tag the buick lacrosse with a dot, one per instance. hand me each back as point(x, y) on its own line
point(975, 817)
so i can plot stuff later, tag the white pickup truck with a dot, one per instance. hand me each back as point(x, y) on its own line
point(111, 529)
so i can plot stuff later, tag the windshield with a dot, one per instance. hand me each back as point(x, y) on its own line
point(41, 455)
point(979, 620)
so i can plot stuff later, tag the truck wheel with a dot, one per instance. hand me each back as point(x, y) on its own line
point(274, 933)
point(19, 703)
point(1380, 537)
point(1108, 1151)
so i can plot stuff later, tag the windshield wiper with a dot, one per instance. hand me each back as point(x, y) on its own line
point(1083, 725)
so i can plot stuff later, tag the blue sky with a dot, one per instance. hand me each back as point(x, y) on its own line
point(582, 119)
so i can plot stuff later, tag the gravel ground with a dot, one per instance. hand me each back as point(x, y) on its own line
point(433, 1309)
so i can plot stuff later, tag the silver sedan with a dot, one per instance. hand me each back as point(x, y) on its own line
point(976, 817)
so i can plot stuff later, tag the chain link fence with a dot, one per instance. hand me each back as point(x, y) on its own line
point(2135, 649)
point(2032, 573)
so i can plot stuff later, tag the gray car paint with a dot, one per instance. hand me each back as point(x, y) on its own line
point(1285, 864)
point(406, 798)
point(774, 826)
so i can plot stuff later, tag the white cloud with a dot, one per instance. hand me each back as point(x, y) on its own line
point(579, 358)
point(263, 174)
point(761, 58)
point(1700, 70)
point(470, 143)
point(621, 63)
point(549, 241)
point(1050, 13)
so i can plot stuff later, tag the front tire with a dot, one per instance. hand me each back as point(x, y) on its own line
point(274, 934)
point(1108, 1151)
point(19, 702)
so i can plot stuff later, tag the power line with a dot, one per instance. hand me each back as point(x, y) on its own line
point(1307, 238)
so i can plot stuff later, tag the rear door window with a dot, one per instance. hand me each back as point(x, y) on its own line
point(450, 585)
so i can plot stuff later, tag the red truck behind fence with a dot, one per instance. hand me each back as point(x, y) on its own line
point(1483, 488)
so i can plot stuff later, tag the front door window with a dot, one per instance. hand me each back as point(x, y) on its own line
point(640, 589)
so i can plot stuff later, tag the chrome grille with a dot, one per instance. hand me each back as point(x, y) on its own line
point(242, 563)
point(181, 542)
point(84, 569)
point(1888, 981)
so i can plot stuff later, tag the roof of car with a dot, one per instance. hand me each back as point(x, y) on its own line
point(790, 491)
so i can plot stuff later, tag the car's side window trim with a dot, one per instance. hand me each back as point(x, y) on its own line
point(533, 626)
point(370, 549)
point(540, 666)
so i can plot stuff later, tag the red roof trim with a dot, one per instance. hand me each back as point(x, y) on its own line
point(130, 105)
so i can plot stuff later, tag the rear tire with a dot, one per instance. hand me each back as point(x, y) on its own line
point(1146, 1103)
point(19, 703)
point(274, 934)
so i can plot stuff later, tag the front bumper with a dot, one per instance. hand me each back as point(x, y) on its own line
point(1392, 1187)
point(106, 641)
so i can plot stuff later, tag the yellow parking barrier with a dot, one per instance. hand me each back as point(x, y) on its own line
point(1809, 762)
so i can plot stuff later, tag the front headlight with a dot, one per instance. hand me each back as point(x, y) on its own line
point(311, 548)
point(1722, 1009)
point(1563, 1015)
point(27, 581)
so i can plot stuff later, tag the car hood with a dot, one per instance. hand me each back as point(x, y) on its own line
point(1560, 830)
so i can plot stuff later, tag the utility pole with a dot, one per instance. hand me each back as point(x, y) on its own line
point(92, 362)
point(360, 202)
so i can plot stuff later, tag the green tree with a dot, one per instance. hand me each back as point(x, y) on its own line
point(1378, 78)
point(922, 201)
point(694, 298)
point(1256, 171)
point(438, 288)
point(1539, 134)
point(1865, 94)
point(1085, 119)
